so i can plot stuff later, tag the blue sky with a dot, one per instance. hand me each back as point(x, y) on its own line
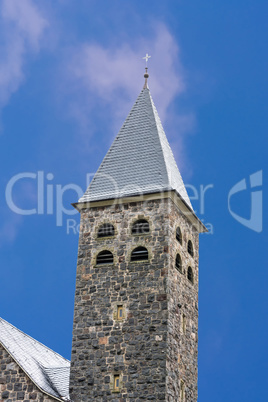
point(69, 73)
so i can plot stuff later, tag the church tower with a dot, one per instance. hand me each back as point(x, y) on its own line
point(135, 331)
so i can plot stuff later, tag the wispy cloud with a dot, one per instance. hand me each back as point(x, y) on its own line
point(22, 27)
point(10, 228)
point(107, 78)
point(21, 195)
point(111, 74)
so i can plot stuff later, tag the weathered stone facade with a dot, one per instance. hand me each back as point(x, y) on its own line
point(15, 385)
point(182, 351)
point(148, 349)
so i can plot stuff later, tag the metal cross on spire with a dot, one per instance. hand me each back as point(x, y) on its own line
point(146, 58)
point(146, 75)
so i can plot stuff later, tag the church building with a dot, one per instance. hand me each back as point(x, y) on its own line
point(135, 328)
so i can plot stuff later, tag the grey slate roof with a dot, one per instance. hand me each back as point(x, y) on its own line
point(140, 160)
point(47, 369)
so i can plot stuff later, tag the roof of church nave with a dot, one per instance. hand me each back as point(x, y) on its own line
point(47, 369)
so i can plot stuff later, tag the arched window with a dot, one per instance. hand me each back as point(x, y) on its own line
point(178, 235)
point(106, 230)
point(139, 254)
point(105, 257)
point(178, 263)
point(141, 227)
point(190, 274)
point(190, 248)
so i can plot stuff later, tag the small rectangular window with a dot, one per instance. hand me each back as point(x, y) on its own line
point(120, 312)
point(116, 382)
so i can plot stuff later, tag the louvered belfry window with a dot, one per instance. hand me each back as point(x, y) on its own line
point(178, 263)
point(178, 235)
point(139, 254)
point(190, 275)
point(141, 227)
point(190, 248)
point(105, 257)
point(106, 230)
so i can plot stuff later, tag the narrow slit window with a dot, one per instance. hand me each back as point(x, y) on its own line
point(106, 230)
point(190, 274)
point(182, 392)
point(178, 263)
point(120, 312)
point(141, 227)
point(190, 248)
point(105, 257)
point(179, 235)
point(183, 324)
point(139, 254)
point(116, 382)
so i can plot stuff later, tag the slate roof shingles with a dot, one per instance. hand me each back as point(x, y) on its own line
point(140, 160)
point(46, 368)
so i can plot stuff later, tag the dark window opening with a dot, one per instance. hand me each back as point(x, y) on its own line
point(140, 227)
point(139, 254)
point(190, 275)
point(105, 257)
point(190, 248)
point(178, 263)
point(106, 230)
point(178, 235)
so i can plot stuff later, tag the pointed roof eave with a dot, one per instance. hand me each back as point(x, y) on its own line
point(173, 173)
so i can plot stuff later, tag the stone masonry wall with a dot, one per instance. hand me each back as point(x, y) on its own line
point(134, 348)
point(143, 348)
point(15, 385)
point(182, 347)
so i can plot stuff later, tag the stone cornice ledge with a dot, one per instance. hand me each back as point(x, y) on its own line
point(173, 195)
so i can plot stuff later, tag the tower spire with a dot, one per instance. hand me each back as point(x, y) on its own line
point(146, 75)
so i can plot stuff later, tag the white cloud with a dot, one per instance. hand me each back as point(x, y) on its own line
point(111, 74)
point(22, 27)
point(109, 78)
